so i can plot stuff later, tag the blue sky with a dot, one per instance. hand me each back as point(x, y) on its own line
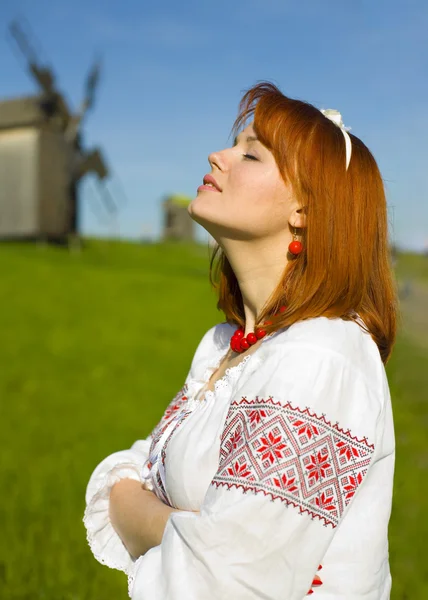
point(174, 73)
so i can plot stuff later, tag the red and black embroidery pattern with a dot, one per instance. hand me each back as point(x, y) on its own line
point(171, 413)
point(178, 422)
point(171, 410)
point(292, 455)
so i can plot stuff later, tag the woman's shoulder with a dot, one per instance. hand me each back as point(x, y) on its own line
point(323, 370)
point(336, 334)
point(216, 338)
point(213, 344)
point(335, 341)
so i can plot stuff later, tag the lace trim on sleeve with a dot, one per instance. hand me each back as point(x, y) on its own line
point(105, 543)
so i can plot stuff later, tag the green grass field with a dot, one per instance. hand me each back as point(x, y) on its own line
point(94, 345)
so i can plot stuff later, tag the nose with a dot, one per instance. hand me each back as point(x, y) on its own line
point(216, 160)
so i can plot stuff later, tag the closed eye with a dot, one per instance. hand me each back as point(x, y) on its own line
point(250, 157)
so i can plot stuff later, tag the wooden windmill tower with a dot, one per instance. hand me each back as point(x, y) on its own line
point(42, 159)
point(177, 223)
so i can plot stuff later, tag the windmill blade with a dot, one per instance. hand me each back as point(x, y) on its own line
point(16, 31)
point(107, 198)
point(95, 201)
point(92, 161)
point(92, 82)
point(110, 217)
point(118, 191)
point(43, 75)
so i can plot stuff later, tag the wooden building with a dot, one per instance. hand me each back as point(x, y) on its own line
point(35, 174)
point(177, 223)
point(41, 156)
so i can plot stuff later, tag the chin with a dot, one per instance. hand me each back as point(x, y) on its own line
point(203, 219)
point(208, 215)
point(200, 213)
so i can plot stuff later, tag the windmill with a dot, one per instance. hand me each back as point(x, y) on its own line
point(42, 158)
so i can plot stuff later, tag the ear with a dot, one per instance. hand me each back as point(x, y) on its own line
point(298, 218)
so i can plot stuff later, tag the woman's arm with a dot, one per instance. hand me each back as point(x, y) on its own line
point(142, 528)
point(104, 541)
point(138, 516)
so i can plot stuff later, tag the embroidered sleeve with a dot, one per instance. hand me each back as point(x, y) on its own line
point(292, 455)
point(297, 446)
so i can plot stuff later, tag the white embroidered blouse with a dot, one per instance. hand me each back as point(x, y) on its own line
point(289, 461)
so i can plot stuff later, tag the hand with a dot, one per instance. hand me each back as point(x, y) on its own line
point(146, 486)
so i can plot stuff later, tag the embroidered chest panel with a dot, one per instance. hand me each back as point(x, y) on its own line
point(292, 455)
point(170, 413)
point(173, 413)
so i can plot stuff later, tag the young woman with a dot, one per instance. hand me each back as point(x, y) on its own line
point(270, 475)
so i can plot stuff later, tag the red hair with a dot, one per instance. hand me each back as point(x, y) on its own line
point(344, 269)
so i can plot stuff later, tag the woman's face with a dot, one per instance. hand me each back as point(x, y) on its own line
point(245, 196)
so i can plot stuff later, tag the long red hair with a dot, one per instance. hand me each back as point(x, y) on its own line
point(344, 269)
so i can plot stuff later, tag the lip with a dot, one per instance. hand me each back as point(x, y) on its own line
point(210, 179)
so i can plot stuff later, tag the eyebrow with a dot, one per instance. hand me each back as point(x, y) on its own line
point(250, 138)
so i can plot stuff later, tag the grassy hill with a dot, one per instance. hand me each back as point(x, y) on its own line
point(95, 344)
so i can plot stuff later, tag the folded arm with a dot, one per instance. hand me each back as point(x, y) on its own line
point(138, 516)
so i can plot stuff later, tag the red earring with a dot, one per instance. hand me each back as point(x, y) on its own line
point(295, 247)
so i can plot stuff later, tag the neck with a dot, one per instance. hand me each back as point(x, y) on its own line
point(258, 266)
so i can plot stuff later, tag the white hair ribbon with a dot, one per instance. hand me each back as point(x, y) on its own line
point(336, 118)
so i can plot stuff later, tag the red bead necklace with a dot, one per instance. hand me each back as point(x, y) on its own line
point(239, 343)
